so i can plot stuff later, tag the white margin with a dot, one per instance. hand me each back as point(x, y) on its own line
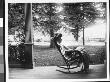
point(51, 1)
point(108, 60)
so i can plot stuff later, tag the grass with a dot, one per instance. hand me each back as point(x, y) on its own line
point(45, 56)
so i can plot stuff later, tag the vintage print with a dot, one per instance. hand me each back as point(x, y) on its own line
point(57, 40)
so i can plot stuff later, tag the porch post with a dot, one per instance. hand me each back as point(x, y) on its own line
point(28, 53)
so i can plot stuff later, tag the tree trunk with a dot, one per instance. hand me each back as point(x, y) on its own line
point(83, 37)
point(51, 24)
point(77, 34)
point(51, 35)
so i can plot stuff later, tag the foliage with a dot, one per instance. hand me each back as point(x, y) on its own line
point(101, 9)
point(16, 18)
point(80, 15)
point(16, 15)
point(45, 17)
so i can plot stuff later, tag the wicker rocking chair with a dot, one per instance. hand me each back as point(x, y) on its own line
point(72, 57)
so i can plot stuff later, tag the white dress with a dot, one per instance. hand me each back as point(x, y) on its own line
point(64, 49)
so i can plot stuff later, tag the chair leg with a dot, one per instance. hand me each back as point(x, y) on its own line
point(82, 68)
point(68, 65)
point(68, 68)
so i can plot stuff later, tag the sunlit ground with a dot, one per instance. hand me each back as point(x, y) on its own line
point(70, 43)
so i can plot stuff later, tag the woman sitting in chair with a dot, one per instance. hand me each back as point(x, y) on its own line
point(66, 51)
point(70, 54)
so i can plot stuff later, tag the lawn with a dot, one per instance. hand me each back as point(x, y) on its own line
point(45, 56)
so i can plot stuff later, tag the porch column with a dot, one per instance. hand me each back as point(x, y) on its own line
point(28, 37)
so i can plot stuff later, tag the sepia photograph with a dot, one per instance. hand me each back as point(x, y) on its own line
point(57, 40)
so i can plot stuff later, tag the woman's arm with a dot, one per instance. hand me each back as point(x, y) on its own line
point(67, 48)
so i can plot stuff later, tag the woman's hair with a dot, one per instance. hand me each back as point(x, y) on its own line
point(57, 36)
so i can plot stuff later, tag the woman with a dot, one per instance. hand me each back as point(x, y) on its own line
point(66, 51)
point(70, 54)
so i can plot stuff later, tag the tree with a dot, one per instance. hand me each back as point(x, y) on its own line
point(101, 9)
point(80, 15)
point(45, 18)
point(16, 19)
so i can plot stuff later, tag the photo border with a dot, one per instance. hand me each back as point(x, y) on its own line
point(51, 1)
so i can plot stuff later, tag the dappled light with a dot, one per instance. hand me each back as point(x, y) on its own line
point(68, 36)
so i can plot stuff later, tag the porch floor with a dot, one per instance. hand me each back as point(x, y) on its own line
point(49, 72)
